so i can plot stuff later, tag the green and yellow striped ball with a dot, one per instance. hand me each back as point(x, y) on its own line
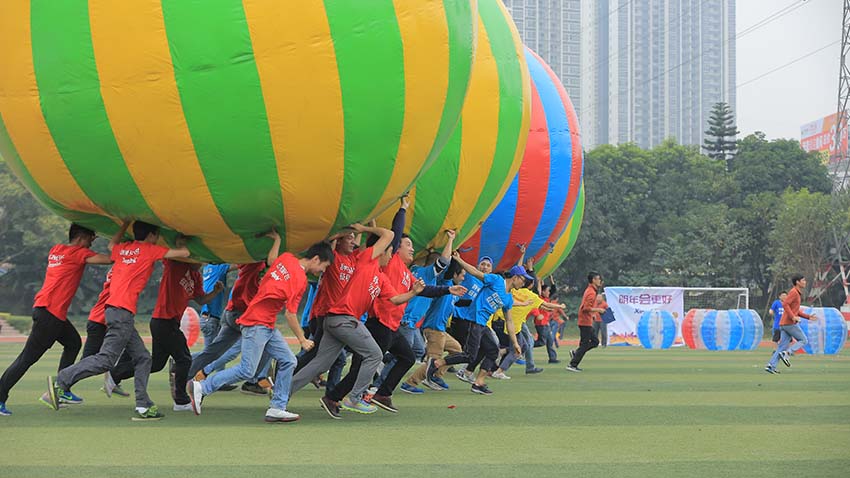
point(461, 188)
point(563, 246)
point(219, 119)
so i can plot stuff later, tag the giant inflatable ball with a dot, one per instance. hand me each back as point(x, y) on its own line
point(561, 250)
point(722, 330)
point(752, 329)
point(473, 171)
point(692, 328)
point(656, 329)
point(826, 335)
point(221, 120)
point(538, 205)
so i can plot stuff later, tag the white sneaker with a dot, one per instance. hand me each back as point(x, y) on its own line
point(183, 408)
point(274, 415)
point(196, 395)
point(499, 375)
point(372, 390)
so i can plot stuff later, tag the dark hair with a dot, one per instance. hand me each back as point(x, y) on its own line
point(405, 236)
point(322, 250)
point(546, 287)
point(796, 278)
point(783, 292)
point(77, 230)
point(592, 275)
point(452, 270)
point(141, 230)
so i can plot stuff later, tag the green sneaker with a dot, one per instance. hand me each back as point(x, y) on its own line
point(151, 414)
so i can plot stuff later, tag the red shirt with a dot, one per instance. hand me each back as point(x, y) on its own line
point(180, 283)
point(400, 277)
point(387, 313)
point(134, 263)
point(597, 317)
point(282, 286)
point(246, 286)
point(65, 267)
point(588, 301)
point(541, 317)
point(98, 312)
point(791, 308)
point(333, 282)
point(363, 287)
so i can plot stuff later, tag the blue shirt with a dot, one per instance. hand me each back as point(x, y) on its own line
point(312, 288)
point(417, 306)
point(777, 313)
point(473, 287)
point(440, 310)
point(493, 296)
point(215, 273)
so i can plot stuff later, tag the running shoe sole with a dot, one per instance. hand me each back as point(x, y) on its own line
point(357, 410)
point(268, 419)
point(190, 390)
point(51, 392)
point(784, 357)
point(383, 406)
point(329, 411)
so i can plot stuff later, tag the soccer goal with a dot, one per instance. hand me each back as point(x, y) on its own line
point(718, 298)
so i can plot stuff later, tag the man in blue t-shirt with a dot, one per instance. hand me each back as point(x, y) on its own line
point(776, 311)
point(212, 311)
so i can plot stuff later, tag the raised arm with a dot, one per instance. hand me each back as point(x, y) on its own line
point(522, 250)
point(467, 267)
point(274, 251)
point(116, 239)
point(385, 237)
point(398, 223)
point(179, 252)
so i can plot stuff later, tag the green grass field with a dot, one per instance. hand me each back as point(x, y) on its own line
point(632, 413)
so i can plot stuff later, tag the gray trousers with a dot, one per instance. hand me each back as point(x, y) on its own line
point(340, 331)
point(602, 327)
point(121, 335)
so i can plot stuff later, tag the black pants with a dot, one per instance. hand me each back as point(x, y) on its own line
point(95, 333)
point(588, 341)
point(168, 341)
point(459, 330)
point(388, 341)
point(316, 328)
point(47, 329)
point(480, 347)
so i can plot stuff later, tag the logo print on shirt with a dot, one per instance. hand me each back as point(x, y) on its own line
point(281, 273)
point(345, 272)
point(188, 284)
point(374, 288)
point(54, 260)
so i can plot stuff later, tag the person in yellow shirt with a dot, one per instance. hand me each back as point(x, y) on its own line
point(525, 300)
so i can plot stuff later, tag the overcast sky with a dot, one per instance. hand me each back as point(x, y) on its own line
point(805, 91)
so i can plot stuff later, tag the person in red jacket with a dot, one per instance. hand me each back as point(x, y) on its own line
point(586, 310)
point(791, 315)
point(65, 266)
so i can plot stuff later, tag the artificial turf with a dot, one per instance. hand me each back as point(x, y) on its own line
point(633, 412)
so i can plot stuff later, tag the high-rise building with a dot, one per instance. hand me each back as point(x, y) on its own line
point(653, 69)
point(551, 28)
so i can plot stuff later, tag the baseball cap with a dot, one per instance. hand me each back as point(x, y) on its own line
point(520, 271)
point(485, 258)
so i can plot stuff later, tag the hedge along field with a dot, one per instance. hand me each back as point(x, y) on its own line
point(633, 412)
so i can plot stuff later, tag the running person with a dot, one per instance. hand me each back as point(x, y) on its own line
point(586, 310)
point(134, 262)
point(65, 266)
point(95, 333)
point(791, 315)
point(775, 311)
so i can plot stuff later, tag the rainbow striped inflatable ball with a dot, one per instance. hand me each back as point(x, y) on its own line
point(542, 197)
point(220, 120)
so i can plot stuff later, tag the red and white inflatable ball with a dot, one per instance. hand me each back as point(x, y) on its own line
point(190, 325)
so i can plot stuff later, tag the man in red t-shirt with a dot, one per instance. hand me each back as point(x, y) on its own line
point(586, 310)
point(600, 328)
point(134, 263)
point(181, 282)
point(281, 289)
point(342, 326)
point(791, 315)
point(65, 266)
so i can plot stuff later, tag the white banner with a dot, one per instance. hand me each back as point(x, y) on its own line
point(629, 303)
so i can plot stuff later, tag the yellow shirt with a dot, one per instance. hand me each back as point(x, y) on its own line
point(519, 313)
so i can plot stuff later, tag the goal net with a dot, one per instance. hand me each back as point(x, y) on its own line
point(718, 298)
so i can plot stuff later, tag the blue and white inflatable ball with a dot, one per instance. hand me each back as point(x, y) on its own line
point(722, 330)
point(656, 329)
point(827, 334)
point(752, 331)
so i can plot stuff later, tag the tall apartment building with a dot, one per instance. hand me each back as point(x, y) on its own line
point(653, 69)
point(552, 29)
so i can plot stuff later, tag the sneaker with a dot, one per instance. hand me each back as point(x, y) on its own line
point(555, 361)
point(317, 381)
point(108, 384)
point(463, 377)
point(172, 387)
point(384, 402)
point(358, 406)
point(331, 407)
point(51, 396)
point(784, 357)
point(186, 407)
point(520, 362)
point(451, 369)
point(572, 368)
point(406, 387)
point(196, 395)
point(119, 391)
point(249, 388)
point(481, 389)
point(572, 354)
point(431, 369)
point(276, 415)
point(430, 383)
point(226, 388)
point(4, 412)
point(150, 414)
point(771, 370)
point(533, 370)
point(372, 390)
point(268, 385)
point(69, 398)
point(499, 375)
point(440, 382)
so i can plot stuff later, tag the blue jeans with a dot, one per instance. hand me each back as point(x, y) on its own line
point(258, 341)
point(529, 352)
point(788, 332)
point(416, 342)
point(511, 357)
